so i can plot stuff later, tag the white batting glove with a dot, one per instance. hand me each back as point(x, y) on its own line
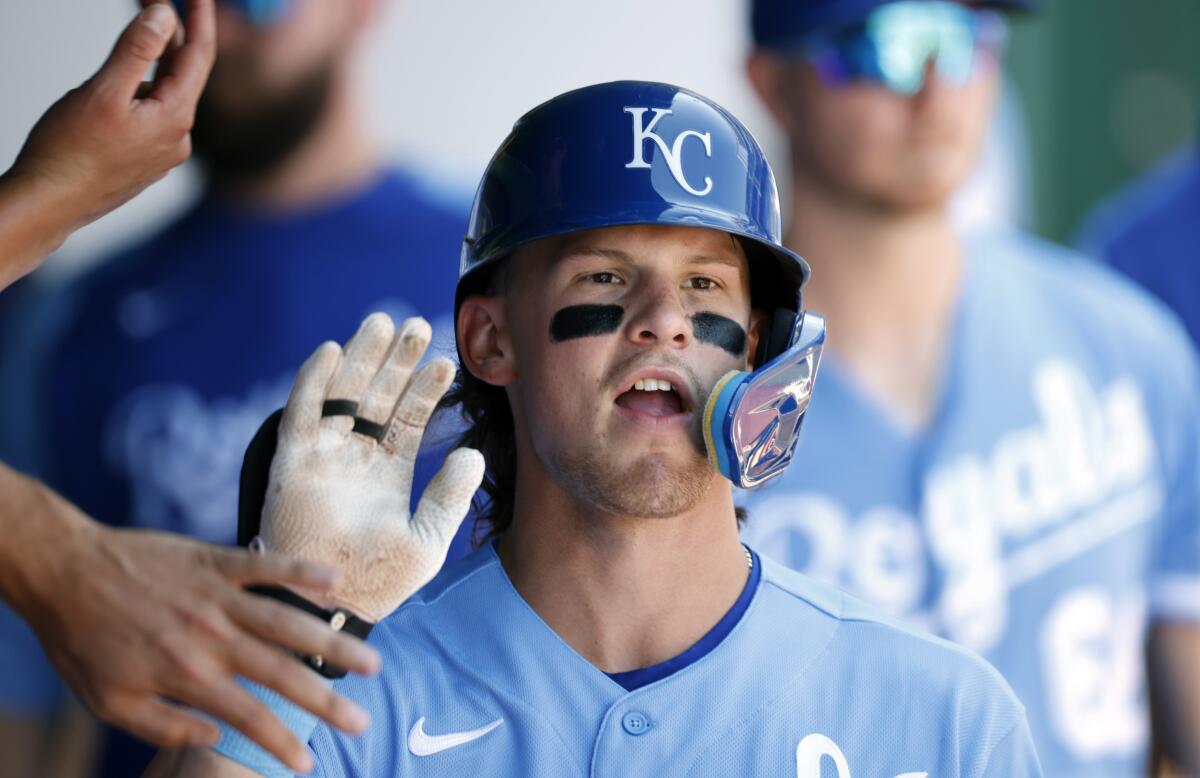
point(340, 497)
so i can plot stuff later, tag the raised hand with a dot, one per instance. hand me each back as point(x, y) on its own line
point(110, 138)
point(342, 497)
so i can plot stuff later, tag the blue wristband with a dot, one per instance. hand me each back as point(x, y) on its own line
point(241, 749)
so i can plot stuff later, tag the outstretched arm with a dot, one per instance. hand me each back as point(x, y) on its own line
point(130, 618)
point(110, 138)
point(1173, 654)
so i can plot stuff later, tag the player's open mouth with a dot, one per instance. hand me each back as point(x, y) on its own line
point(656, 394)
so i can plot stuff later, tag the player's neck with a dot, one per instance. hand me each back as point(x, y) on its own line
point(888, 284)
point(624, 592)
point(338, 158)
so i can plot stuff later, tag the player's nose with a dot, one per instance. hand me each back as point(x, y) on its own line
point(658, 315)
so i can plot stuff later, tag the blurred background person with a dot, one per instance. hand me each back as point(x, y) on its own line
point(1150, 231)
point(175, 351)
point(1008, 445)
point(119, 612)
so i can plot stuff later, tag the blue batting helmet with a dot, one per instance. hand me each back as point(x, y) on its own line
point(636, 152)
point(625, 153)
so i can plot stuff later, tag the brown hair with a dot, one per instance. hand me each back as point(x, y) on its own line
point(489, 429)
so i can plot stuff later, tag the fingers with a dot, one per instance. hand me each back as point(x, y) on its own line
point(181, 85)
point(163, 724)
point(244, 567)
point(141, 44)
point(384, 390)
point(364, 353)
point(448, 496)
point(302, 416)
point(284, 625)
point(221, 697)
point(407, 426)
point(271, 668)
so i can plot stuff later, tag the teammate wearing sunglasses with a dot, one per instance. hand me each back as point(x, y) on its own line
point(1005, 443)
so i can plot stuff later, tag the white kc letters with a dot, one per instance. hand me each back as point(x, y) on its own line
point(673, 153)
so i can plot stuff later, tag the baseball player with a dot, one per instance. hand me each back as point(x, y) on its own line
point(633, 345)
point(1006, 447)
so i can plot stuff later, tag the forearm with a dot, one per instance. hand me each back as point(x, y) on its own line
point(35, 219)
point(1173, 654)
point(32, 526)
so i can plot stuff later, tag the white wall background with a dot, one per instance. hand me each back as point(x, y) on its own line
point(445, 80)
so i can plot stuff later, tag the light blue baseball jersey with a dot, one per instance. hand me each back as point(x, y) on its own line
point(808, 683)
point(1048, 512)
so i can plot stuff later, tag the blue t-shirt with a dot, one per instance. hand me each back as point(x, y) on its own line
point(29, 312)
point(177, 350)
point(1050, 509)
point(1151, 232)
point(808, 683)
point(181, 347)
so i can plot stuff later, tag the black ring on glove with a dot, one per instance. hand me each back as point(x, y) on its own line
point(339, 408)
point(372, 429)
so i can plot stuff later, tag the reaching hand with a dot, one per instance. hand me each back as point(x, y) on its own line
point(110, 138)
point(340, 497)
point(130, 618)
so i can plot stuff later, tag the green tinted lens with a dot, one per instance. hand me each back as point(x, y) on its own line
point(906, 35)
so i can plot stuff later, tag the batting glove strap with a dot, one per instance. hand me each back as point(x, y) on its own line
point(338, 619)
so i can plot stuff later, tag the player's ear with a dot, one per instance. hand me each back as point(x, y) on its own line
point(758, 320)
point(483, 340)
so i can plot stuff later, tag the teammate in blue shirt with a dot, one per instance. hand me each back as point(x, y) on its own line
point(1004, 449)
point(1149, 231)
point(633, 343)
point(177, 347)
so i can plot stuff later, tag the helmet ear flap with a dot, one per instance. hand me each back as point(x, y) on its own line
point(775, 337)
point(255, 477)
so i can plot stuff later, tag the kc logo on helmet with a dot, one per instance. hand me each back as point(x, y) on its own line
point(673, 153)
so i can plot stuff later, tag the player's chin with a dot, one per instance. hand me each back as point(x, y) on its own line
point(662, 485)
point(929, 181)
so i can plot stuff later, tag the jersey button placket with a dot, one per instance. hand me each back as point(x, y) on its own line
point(635, 723)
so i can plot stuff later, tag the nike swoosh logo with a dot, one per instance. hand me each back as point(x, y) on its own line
point(421, 744)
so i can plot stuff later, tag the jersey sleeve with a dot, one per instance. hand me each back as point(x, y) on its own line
point(1014, 755)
